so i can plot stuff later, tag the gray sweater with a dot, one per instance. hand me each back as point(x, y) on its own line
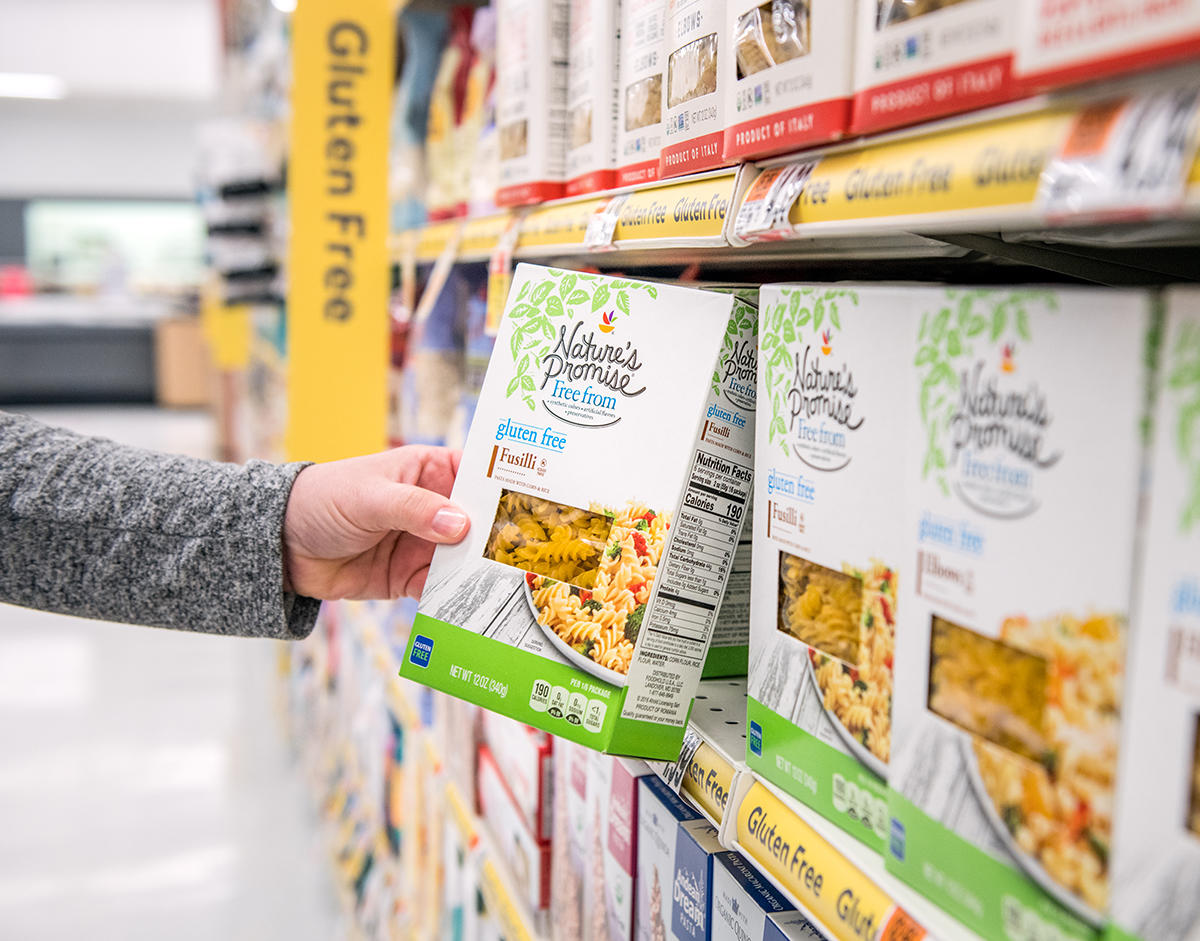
point(100, 530)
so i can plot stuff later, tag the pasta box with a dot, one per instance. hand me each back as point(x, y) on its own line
point(828, 546)
point(1022, 500)
point(531, 99)
point(606, 476)
point(611, 877)
point(570, 844)
point(789, 79)
point(528, 859)
point(915, 60)
point(640, 97)
point(526, 761)
point(1156, 844)
point(742, 899)
point(694, 98)
point(1068, 43)
point(592, 96)
point(675, 851)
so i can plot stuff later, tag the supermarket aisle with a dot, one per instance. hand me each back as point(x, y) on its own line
point(145, 790)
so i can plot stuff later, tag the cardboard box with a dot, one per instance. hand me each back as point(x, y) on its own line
point(525, 758)
point(1156, 843)
point(592, 96)
point(742, 899)
point(828, 545)
point(183, 372)
point(920, 59)
point(729, 652)
point(531, 99)
point(611, 876)
point(790, 926)
point(569, 847)
point(583, 598)
point(694, 94)
point(640, 91)
point(528, 861)
point(789, 81)
point(1067, 43)
point(1022, 507)
point(675, 851)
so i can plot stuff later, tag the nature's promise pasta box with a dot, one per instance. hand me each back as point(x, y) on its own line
point(1156, 867)
point(828, 546)
point(1023, 485)
point(606, 477)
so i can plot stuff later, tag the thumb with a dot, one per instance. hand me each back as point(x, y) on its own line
point(425, 514)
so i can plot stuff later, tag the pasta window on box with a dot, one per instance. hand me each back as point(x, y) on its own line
point(897, 11)
point(561, 542)
point(514, 140)
point(772, 33)
point(988, 687)
point(822, 607)
point(692, 70)
point(643, 103)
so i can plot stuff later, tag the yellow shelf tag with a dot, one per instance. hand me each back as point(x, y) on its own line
point(848, 905)
point(708, 781)
point(481, 236)
point(461, 816)
point(558, 224)
point(507, 912)
point(691, 209)
point(433, 239)
point(338, 346)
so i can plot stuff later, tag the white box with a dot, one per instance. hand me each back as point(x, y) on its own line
point(1067, 43)
point(790, 926)
point(611, 876)
point(1022, 509)
point(525, 758)
point(729, 651)
point(527, 861)
point(594, 626)
point(828, 533)
point(531, 99)
point(1156, 866)
point(921, 59)
point(640, 91)
point(569, 847)
point(789, 81)
point(675, 850)
point(694, 87)
point(592, 96)
point(742, 899)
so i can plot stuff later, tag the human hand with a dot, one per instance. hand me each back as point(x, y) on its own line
point(365, 527)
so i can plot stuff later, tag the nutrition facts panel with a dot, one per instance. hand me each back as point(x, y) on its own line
point(690, 582)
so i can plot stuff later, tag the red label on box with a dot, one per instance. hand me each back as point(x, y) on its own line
point(525, 194)
point(934, 94)
point(788, 130)
point(699, 153)
point(636, 173)
point(1132, 60)
point(594, 182)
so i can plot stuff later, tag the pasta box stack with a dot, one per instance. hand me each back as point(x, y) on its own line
point(606, 477)
point(828, 546)
point(1024, 479)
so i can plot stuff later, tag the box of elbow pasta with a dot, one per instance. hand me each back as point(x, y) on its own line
point(606, 478)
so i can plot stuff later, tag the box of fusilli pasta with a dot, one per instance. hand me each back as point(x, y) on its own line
point(1027, 421)
point(606, 477)
point(1156, 840)
point(828, 546)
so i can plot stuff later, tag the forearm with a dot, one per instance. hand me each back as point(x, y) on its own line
point(95, 529)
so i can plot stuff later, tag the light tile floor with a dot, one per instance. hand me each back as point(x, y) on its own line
point(145, 786)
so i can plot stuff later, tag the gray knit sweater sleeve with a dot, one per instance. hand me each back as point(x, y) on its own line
point(96, 529)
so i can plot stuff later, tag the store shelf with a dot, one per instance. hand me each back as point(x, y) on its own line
point(972, 185)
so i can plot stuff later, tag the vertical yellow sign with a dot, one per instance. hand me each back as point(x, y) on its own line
point(338, 276)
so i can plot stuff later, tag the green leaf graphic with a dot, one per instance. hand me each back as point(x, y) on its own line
point(600, 298)
point(541, 292)
point(578, 297)
point(554, 307)
point(623, 302)
point(567, 285)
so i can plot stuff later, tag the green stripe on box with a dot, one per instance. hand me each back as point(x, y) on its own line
point(1117, 933)
point(504, 679)
point(806, 768)
point(726, 661)
point(988, 896)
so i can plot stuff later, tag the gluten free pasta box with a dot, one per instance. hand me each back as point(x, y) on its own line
point(694, 99)
point(828, 546)
point(606, 477)
point(592, 96)
point(1023, 492)
point(789, 80)
point(1156, 844)
point(640, 94)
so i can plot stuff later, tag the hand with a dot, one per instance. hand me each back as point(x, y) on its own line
point(366, 527)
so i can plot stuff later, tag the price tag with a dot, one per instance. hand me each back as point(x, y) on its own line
point(602, 226)
point(500, 267)
point(1127, 158)
point(763, 215)
point(673, 773)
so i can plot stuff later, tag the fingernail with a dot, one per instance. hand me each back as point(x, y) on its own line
point(449, 522)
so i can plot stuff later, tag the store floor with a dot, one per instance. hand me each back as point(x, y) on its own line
point(145, 786)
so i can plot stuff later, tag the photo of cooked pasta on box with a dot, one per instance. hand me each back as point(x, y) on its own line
point(585, 596)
